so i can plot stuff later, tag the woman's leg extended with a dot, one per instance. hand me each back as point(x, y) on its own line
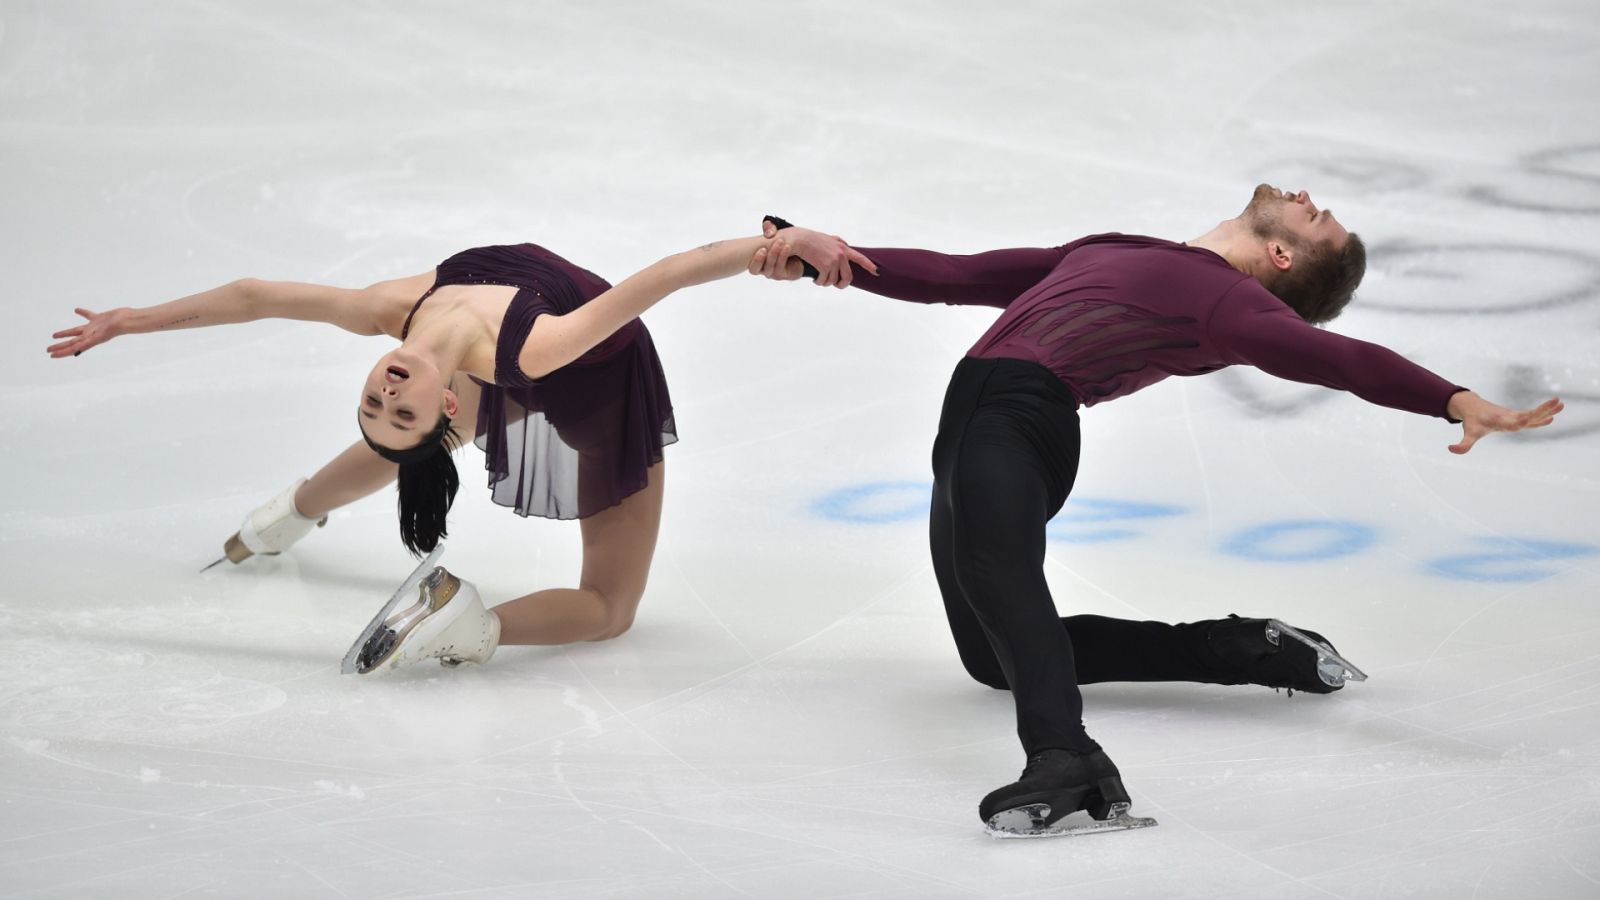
point(618, 545)
point(359, 471)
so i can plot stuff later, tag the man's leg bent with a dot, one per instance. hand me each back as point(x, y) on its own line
point(972, 642)
point(1001, 505)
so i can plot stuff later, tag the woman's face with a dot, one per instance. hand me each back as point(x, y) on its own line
point(402, 399)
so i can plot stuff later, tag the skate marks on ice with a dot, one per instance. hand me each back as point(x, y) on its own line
point(1440, 279)
point(1526, 385)
point(352, 664)
point(1485, 278)
point(1566, 183)
point(128, 674)
point(1033, 821)
point(1556, 180)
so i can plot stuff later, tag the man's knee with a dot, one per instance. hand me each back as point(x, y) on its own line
point(987, 574)
point(986, 672)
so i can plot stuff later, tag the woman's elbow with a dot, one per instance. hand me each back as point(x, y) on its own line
point(247, 294)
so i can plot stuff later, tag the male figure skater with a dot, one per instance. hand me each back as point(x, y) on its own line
point(1085, 323)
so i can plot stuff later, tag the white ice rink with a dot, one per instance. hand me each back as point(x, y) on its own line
point(788, 717)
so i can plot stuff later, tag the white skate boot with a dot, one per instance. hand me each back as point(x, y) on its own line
point(447, 622)
point(270, 529)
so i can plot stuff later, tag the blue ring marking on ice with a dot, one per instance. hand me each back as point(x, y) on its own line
point(882, 502)
point(1500, 566)
point(1296, 540)
point(876, 502)
point(1273, 542)
point(1082, 510)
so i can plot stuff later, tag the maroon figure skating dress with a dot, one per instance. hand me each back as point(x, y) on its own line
point(582, 438)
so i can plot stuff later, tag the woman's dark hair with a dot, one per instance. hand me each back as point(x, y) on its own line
point(427, 485)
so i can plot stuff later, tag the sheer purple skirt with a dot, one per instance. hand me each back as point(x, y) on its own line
point(583, 438)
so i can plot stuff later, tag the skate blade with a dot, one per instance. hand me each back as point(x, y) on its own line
point(350, 665)
point(436, 602)
point(1029, 822)
point(385, 642)
point(233, 550)
point(1333, 669)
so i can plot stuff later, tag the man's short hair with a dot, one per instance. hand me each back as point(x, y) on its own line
point(1322, 280)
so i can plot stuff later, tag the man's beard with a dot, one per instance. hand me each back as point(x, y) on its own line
point(1262, 213)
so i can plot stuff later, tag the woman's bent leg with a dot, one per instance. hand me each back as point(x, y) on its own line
point(618, 545)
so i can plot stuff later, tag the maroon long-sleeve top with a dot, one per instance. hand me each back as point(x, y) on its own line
point(1112, 313)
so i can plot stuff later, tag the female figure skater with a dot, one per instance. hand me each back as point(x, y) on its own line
point(1084, 323)
point(544, 363)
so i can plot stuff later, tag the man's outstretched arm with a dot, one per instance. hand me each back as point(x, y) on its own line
point(1272, 338)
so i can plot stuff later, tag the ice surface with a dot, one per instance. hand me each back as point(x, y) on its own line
point(788, 717)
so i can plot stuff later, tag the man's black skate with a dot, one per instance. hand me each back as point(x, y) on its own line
point(1055, 784)
point(1271, 653)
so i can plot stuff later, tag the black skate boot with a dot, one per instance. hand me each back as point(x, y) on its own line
point(1271, 653)
point(1055, 784)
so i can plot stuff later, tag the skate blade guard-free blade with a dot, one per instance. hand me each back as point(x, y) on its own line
point(1333, 669)
point(447, 622)
point(407, 589)
point(1029, 822)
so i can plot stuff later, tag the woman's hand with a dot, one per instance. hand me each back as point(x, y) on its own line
point(101, 327)
point(1480, 417)
point(828, 253)
point(777, 262)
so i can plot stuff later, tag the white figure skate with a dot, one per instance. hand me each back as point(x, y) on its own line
point(447, 622)
point(269, 529)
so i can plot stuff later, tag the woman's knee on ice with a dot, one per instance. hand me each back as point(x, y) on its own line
point(619, 609)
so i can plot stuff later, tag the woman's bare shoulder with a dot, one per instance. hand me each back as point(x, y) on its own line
point(391, 301)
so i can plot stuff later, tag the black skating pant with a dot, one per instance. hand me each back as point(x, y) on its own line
point(1003, 464)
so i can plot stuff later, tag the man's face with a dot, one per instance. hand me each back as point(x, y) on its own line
point(1274, 213)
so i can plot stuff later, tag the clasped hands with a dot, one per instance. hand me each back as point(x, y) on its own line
point(828, 253)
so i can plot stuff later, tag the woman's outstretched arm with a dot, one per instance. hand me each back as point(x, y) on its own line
point(559, 339)
point(994, 278)
point(246, 300)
